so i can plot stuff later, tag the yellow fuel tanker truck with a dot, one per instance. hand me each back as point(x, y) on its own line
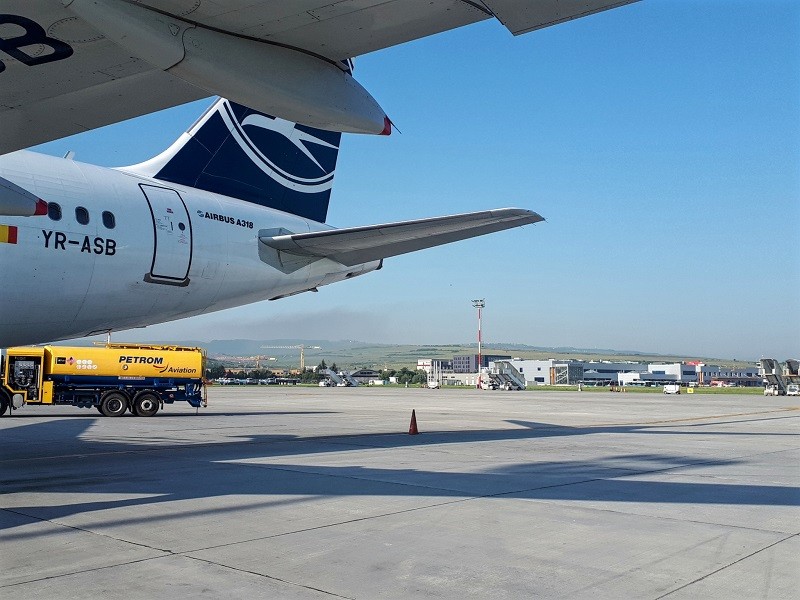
point(113, 378)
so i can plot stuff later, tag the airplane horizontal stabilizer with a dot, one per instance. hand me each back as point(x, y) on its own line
point(357, 245)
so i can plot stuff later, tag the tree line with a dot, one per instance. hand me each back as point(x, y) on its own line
point(404, 375)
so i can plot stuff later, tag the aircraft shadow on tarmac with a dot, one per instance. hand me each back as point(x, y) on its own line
point(162, 471)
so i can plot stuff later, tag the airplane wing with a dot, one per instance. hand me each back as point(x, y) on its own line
point(74, 65)
point(356, 245)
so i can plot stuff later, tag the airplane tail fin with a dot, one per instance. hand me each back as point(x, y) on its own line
point(239, 152)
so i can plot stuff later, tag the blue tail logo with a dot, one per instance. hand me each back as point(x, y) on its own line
point(267, 134)
point(238, 152)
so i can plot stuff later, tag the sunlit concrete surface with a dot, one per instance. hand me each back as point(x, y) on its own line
point(320, 492)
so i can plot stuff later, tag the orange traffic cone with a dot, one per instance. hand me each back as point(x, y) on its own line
point(412, 429)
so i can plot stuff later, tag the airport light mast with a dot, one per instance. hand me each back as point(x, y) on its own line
point(480, 305)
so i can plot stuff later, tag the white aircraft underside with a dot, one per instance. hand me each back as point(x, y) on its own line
point(68, 69)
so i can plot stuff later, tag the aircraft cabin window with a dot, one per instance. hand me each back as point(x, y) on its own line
point(108, 220)
point(54, 211)
point(81, 215)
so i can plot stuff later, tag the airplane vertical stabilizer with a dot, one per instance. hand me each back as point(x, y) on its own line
point(238, 152)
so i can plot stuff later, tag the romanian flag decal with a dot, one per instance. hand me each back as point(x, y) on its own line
point(8, 234)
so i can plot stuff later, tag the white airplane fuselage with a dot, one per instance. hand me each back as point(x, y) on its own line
point(173, 252)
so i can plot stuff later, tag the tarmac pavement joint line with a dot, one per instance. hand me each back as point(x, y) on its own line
point(141, 560)
point(690, 419)
point(84, 530)
point(642, 567)
point(665, 518)
point(331, 525)
point(167, 553)
point(715, 571)
point(278, 579)
point(79, 571)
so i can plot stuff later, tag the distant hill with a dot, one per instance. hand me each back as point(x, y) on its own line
point(357, 354)
point(353, 354)
point(566, 349)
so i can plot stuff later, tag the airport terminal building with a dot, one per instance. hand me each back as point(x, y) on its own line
point(573, 372)
point(462, 370)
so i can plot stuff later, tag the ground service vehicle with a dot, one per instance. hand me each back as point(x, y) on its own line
point(672, 388)
point(113, 378)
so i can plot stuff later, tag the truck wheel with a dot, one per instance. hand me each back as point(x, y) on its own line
point(145, 404)
point(113, 404)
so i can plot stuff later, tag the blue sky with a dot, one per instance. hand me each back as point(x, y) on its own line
point(661, 141)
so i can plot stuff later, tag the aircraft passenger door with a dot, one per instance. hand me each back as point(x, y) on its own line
point(172, 234)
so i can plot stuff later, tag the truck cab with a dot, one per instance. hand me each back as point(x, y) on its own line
point(22, 379)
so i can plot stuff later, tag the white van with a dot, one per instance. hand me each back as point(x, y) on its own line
point(672, 388)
